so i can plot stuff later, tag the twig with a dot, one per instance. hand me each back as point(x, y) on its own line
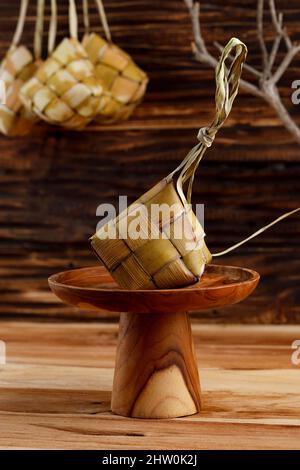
point(266, 87)
point(260, 34)
point(285, 63)
point(277, 23)
point(194, 8)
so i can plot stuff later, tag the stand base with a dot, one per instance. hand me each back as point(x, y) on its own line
point(156, 374)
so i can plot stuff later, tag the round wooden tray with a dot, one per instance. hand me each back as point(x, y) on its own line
point(156, 374)
point(94, 288)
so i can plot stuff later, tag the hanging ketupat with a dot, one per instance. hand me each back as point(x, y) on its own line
point(17, 67)
point(146, 251)
point(124, 82)
point(162, 259)
point(64, 91)
point(157, 259)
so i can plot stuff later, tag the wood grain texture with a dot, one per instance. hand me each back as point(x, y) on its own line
point(56, 387)
point(52, 182)
point(94, 288)
point(156, 375)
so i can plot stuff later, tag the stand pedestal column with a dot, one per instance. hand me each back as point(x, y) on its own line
point(156, 374)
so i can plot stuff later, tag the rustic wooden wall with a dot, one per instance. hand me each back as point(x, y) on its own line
point(52, 181)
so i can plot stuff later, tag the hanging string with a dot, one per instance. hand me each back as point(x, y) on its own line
point(86, 18)
point(103, 19)
point(227, 84)
point(39, 29)
point(52, 27)
point(20, 24)
point(261, 230)
point(73, 20)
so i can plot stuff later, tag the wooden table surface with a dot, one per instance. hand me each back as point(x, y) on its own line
point(55, 390)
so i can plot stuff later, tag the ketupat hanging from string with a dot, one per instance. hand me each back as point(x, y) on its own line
point(160, 258)
point(170, 261)
point(17, 67)
point(64, 91)
point(124, 82)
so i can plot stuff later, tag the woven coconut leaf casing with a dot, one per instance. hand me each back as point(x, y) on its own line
point(64, 90)
point(16, 68)
point(166, 249)
point(124, 82)
point(157, 258)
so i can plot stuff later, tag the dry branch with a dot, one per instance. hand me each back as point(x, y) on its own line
point(267, 79)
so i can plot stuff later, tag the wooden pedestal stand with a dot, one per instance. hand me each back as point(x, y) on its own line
point(156, 374)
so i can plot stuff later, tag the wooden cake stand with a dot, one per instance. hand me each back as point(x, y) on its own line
point(156, 374)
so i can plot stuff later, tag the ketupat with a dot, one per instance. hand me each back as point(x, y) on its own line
point(17, 67)
point(158, 258)
point(166, 261)
point(124, 82)
point(64, 91)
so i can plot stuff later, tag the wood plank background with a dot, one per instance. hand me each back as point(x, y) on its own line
point(52, 182)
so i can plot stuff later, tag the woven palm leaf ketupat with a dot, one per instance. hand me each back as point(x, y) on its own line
point(17, 67)
point(124, 82)
point(157, 259)
point(163, 256)
point(64, 90)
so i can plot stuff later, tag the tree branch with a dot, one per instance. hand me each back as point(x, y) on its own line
point(277, 23)
point(272, 96)
point(266, 87)
point(285, 63)
point(194, 9)
point(260, 34)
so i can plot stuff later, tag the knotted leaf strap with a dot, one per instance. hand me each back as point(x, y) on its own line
point(39, 27)
point(102, 15)
point(20, 24)
point(86, 16)
point(103, 19)
point(52, 27)
point(73, 20)
point(227, 84)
